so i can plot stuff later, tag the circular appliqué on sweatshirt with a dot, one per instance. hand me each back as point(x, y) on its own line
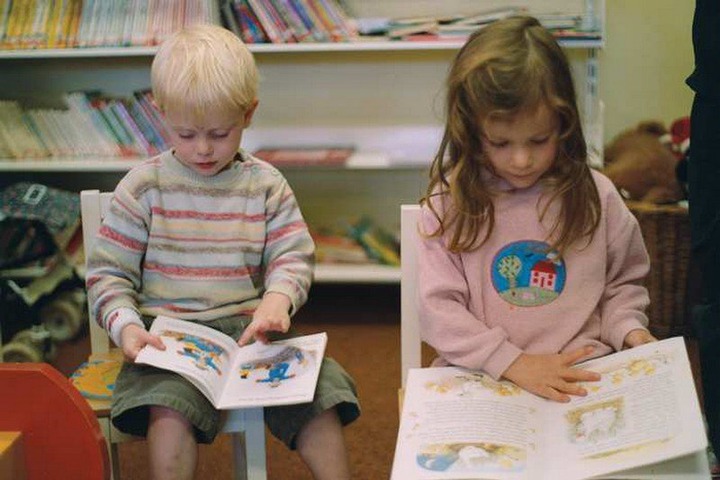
point(528, 273)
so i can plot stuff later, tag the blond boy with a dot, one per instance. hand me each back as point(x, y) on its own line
point(207, 233)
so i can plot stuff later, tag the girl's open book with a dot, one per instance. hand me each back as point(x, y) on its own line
point(280, 373)
point(640, 421)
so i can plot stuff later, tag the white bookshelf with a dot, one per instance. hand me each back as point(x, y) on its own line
point(373, 274)
point(383, 97)
point(355, 46)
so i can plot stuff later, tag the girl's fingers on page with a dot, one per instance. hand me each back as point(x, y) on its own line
point(572, 388)
point(575, 355)
point(580, 375)
point(555, 395)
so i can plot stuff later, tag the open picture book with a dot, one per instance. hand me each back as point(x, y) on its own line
point(279, 373)
point(641, 420)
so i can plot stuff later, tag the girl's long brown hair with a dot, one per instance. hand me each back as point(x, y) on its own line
point(511, 66)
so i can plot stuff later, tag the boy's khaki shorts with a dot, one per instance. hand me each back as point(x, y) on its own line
point(140, 386)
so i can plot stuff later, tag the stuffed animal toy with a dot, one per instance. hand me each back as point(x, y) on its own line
point(642, 165)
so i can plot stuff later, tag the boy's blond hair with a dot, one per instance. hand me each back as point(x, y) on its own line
point(204, 68)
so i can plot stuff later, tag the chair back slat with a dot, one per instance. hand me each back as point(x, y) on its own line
point(410, 343)
point(93, 206)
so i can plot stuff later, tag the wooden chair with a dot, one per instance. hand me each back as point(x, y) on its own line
point(59, 435)
point(689, 467)
point(245, 425)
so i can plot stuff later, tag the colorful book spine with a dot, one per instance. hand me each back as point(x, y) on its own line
point(230, 21)
point(93, 121)
point(310, 17)
point(268, 25)
point(139, 143)
point(5, 6)
point(293, 21)
point(145, 125)
point(326, 20)
point(139, 35)
point(286, 34)
point(146, 101)
point(250, 27)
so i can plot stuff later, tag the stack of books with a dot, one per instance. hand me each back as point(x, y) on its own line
point(459, 27)
point(93, 125)
point(301, 156)
point(288, 21)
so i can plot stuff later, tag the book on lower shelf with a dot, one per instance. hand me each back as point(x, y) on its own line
point(305, 156)
point(640, 420)
point(284, 372)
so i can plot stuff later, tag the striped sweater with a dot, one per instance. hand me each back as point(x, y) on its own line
point(192, 247)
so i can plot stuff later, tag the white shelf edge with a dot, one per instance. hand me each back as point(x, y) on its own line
point(338, 273)
point(79, 52)
point(68, 165)
point(123, 165)
point(357, 46)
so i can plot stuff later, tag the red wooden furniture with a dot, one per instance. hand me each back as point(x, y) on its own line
point(61, 436)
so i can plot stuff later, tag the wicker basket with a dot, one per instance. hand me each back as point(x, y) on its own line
point(666, 230)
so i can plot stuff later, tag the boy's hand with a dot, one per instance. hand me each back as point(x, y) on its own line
point(270, 316)
point(636, 337)
point(134, 338)
point(551, 376)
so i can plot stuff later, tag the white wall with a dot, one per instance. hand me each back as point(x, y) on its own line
point(647, 57)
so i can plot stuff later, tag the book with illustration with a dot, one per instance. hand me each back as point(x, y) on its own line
point(641, 420)
point(283, 372)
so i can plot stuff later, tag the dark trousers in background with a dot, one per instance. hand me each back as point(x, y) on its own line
point(704, 194)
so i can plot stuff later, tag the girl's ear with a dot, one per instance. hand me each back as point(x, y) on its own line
point(247, 118)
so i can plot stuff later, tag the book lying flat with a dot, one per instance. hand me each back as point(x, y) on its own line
point(641, 420)
point(279, 373)
point(305, 156)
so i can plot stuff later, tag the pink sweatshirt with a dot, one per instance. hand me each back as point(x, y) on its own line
point(482, 309)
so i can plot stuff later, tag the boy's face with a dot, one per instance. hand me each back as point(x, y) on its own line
point(209, 145)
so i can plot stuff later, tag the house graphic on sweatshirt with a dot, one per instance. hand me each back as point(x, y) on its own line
point(528, 273)
point(543, 275)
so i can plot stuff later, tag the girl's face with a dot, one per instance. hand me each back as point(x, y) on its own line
point(523, 147)
point(206, 146)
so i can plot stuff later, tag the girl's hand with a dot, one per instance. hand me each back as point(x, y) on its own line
point(270, 316)
point(636, 337)
point(551, 376)
point(134, 338)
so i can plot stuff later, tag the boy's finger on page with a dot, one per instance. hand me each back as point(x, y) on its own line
point(246, 336)
point(156, 342)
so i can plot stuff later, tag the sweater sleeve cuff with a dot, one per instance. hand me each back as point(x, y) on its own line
point(287, 290)
point(501, 359)
point(617, 338)
point(118, 319)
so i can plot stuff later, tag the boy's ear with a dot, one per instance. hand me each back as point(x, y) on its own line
point(247, 118)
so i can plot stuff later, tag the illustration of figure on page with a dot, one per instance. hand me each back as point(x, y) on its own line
point(278, 366)
point(204, 354)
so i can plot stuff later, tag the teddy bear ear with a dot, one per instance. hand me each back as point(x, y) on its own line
point(653, 127)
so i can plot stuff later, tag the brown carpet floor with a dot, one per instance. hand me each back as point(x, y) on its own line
point(363, 327)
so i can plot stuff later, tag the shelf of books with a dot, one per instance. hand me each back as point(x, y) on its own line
point(359, 45)
point(93, 29)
